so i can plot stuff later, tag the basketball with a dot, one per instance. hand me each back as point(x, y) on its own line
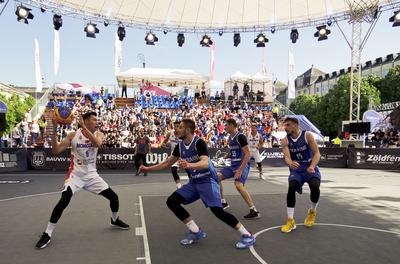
point(63, 115)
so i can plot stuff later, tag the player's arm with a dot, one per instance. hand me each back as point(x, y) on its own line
point(165, 164)
point(314, 148)
point(261, 142)
point(286, 154)
point(246, 151)
point(202, 151)
point(58, 147)
point(96, 138)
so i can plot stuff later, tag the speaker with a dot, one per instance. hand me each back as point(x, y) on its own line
point(3, 122)
point(360, 128)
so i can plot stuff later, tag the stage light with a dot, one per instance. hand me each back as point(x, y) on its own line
point(220, 33)
point(42, 9)
point(106, 23)
point(91, 30)
point(236, 39)
point(322, 33)
point(121, 32)
point(395, 19)
point(206, 41)
point(57, 21)
point(260, 40)
point(273, 29)
point(165, 32)
point(329, 22)
point(150, 38)
point(180, 39)
point(294, 35)
point(23, 14)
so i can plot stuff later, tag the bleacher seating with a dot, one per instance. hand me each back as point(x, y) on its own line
point(164, 102)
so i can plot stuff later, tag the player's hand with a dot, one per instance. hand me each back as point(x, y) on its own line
point(311, 170)
point(81, 123)
point(184, 164)
point(143, 168)
point(294, 165)
point(238, 174)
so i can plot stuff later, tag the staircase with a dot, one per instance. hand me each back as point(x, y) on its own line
point(121, 102)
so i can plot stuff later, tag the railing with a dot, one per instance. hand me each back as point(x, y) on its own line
point(40, 105)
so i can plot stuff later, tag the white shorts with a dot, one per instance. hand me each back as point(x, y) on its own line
point(92, 182)
point(254, 153)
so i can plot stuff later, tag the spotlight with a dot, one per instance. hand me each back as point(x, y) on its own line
point(23, 14)
point(180, 39)
point(57, 21)
point(294, 35)
point(42, 9)
point(220, 33)
point(329, 22)
point(150, 38)
point(395, 19)
point(91, 30)
point(2, 1)
point(121, 32)
point(260, 40)
point(165, 32)
point(106, 23)
point(273, 29)
point(206, 41)
point(322, 33)
point(236, 39)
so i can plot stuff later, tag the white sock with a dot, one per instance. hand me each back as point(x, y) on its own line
point(114, 216)
point(243, 231)
point(192, 226)
point(254, 208)
point(314, 206)
point(50, 228)
point(290, 212)
point(179, 185)
point(223, 200)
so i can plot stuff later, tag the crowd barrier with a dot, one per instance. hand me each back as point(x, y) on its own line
point(123, 159)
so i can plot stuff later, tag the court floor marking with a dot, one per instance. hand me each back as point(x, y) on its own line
point(141, 231)
point(262, 261)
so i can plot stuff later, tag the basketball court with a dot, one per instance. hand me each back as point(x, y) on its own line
point(358, 221)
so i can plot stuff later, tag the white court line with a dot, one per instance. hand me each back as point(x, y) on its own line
point(144, 233)
point(262, 261)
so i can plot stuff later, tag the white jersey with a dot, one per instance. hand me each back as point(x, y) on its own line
point(253, 141)
point(83, 155)
point(174, 140)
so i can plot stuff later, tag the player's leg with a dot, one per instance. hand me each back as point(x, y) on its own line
point(314, 184)
point(114, 205)
point(257, 160)
point(137, 163)
point(294, 185)
point(225, 173)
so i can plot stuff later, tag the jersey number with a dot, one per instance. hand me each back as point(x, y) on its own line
point(299, 156)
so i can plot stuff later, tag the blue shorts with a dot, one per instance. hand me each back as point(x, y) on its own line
point(229, 172)
point(206, 189)
point(301, 176)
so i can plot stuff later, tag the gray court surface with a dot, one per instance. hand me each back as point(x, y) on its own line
point(358, 221)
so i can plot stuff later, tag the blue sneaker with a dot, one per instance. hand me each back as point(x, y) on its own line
point(246, 241)
point(192, 237)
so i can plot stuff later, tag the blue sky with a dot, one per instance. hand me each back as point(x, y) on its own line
point(91, 61)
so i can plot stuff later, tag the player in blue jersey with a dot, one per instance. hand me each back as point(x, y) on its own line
point(239, 153)
point(192, 154)
point(302, 155)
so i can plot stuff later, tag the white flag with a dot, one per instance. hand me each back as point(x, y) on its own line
point(118, 56)
point(56, 51)
point(292, 77)
point(38, 75)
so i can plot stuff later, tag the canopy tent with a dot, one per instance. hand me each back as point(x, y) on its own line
point(240, 76)
point(76, 87)
point(155, 90)
point(206, 16)
point(306, 124)
point(258, 77)
point(173, 77)
point(3, 107)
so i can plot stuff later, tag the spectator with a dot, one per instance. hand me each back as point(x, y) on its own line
point(34, 132)
point(124, 89)
point(143, 147)
point(235, 92)
point(246, 90)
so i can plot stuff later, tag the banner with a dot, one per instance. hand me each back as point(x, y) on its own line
point(56, 51)
point(212, 62)
point(374, 158)
point(44, 159)
point(333, 157)
point(38, 75)
point(13, 160)
point(292, 77)
point(118, 54)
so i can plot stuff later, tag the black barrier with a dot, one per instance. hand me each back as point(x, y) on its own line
point(333, 157)
point(382, 159)
point(44, 159)
point(13, 160)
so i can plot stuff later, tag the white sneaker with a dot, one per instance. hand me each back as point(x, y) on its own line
point(262, 177)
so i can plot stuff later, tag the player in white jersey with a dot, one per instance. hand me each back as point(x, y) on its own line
point(82, 173)
point(173, 141)
point(255, 141)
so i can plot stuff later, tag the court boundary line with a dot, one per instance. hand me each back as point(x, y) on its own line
point(262, 261)
point(143, 232)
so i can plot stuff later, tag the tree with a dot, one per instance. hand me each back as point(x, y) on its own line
point(307, 105)
point(389, 86)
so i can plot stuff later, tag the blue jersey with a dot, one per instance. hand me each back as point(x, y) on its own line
point(235, 150)
point(190, 154)
point(300, 151)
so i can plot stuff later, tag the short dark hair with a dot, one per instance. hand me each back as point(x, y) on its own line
point(189, 123)
point(292, 119)
point(231, 121)
point(89, 114)
point(177, 122)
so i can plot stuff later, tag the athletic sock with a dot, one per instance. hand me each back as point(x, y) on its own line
point(114, 216)
point(314, 206)
point(193, 226)
point(50, 228)
point(290, 212)
point(244, 231)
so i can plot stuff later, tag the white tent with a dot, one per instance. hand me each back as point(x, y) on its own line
point(240, 76)
point(258, 77)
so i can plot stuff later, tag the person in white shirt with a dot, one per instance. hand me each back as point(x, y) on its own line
point(173, 142)
point(255, 143)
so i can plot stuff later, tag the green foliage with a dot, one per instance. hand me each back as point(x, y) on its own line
point(389, 86)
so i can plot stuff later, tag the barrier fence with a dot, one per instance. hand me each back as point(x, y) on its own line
point(123, 159)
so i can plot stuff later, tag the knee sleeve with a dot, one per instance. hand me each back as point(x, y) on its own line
point(112, 197)
point(61, 205)
point(224, 216)
point(314, 189)
point(291, 195)
point(174, 204)
point(174, 171)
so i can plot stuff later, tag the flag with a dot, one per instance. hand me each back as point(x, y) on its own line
point(292, 77)
point(274, 89)
point(212, 76)
point(56, 51)
point(38, 75)
point(118, 55)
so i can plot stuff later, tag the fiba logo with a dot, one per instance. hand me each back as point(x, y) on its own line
point(360, 157)
point(38, 158)
point(64, 115)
